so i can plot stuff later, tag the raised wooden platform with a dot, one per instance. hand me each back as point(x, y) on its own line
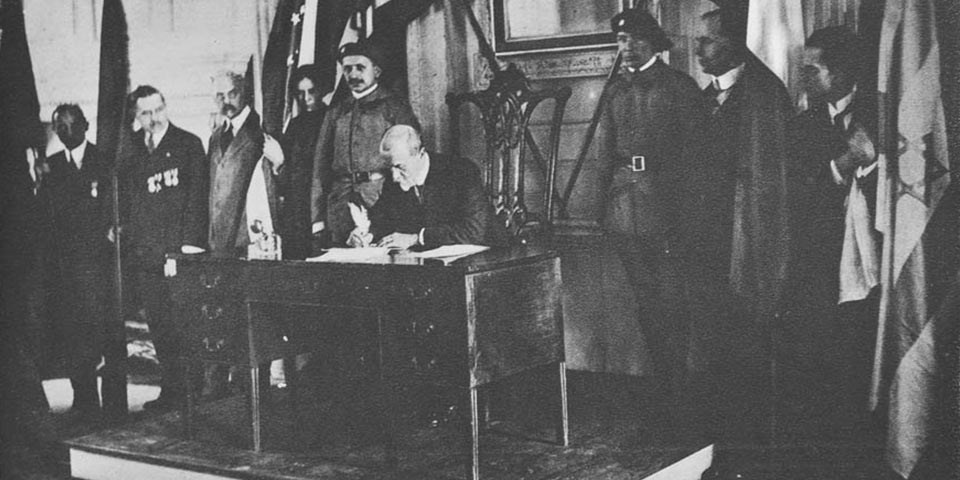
point(614, 434)
point(323, 442)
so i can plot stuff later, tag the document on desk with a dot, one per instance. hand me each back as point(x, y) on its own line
point(449, 253)
point(351, 254)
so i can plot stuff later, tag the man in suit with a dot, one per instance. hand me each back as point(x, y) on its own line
point(79, 252)
point(654, 183)
point(242, 186)
point(433, 200)
point(299, 143)
point(163, 207)
point(838, 246)
point(347, 166)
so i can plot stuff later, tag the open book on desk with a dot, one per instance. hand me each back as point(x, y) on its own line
point(449, 253)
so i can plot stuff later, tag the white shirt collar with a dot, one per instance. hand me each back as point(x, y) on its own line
point(645, 66)
point(841, 105)
point(366, 92)
point(239, 120)
point(420, 179)
point(728, 79)
point(157, 137)
point(76, 154)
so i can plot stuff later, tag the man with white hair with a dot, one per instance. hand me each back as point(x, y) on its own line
point(433, 200)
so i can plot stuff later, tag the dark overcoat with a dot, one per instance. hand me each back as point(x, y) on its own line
point(749, 134)
point(230, 174)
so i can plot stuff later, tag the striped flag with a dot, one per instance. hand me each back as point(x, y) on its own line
point(914, 178)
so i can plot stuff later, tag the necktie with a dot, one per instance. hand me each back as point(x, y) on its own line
point(226, 138)
point(711, 93)
point(151, 146)
point(418, 191)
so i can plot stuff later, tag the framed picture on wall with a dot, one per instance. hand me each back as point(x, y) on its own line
point(549, 25)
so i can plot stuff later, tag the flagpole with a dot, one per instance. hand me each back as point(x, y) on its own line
point(293, 55)
point(112, 124)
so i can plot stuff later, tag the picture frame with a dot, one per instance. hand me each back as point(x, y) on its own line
point(527, 26)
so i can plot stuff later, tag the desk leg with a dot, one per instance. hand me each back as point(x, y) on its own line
point(563, 435)
point(474, 436)
point(255, 405)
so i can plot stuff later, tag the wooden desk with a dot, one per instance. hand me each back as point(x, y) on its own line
point(499, 314)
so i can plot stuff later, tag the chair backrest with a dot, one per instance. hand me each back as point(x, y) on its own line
point(505, 110)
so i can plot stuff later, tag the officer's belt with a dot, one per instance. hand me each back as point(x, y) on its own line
point(638, 163)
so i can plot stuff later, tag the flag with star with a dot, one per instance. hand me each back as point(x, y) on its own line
point(915, 206)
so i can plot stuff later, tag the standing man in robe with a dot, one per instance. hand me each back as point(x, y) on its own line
point(748, 137)
point(244, 163)
point(655, 184)
point(347, 164)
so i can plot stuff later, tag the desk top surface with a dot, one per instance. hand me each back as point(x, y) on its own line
point(479, 262)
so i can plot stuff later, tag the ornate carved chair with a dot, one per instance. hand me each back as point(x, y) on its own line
point(505, 110)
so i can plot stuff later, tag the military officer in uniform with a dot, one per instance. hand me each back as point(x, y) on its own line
point(347, 164)
point(654, 185)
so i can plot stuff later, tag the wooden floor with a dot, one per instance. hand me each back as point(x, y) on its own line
point(613, 436)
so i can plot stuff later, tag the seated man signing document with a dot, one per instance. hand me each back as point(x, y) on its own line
point(433, 200)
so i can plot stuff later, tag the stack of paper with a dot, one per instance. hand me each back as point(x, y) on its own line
point(351, 254)
point(449, 253)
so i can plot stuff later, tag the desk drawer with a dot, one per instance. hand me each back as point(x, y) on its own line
point(196, 279)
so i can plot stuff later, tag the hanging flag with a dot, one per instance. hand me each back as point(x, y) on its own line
point(775, 35)
point(19, 106)
point(911, 205)
point(114, 83)
point(279, 59)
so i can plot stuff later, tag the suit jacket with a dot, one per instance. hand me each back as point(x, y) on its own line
point(78, 203)
point(163, 196)
point(818, 200)
point(454, 208)
point(749, 137)
point(230, 174)
point(657, 113)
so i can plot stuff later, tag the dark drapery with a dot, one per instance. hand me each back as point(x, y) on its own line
point(113, 120)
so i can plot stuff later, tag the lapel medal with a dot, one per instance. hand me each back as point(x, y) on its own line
point(93, 189)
